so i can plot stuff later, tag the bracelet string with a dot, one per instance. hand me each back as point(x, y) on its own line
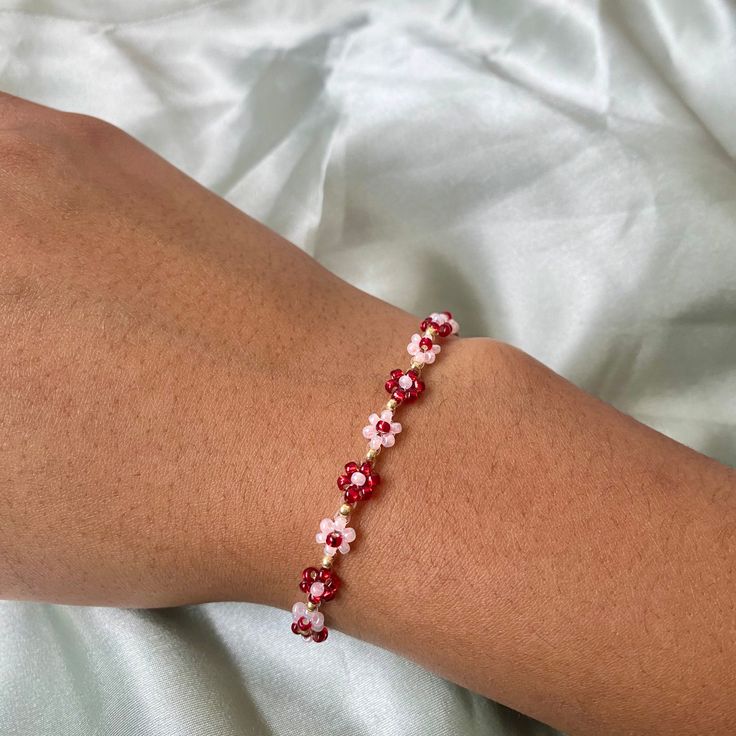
point(358, 481)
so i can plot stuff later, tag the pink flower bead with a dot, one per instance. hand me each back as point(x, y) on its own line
point(335, 535)
point(315, 619)
point(382, 429)
point(422, 349)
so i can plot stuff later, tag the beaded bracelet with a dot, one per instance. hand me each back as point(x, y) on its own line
point(358, 482)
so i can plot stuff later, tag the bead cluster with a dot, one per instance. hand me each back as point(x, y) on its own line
point(358, 481)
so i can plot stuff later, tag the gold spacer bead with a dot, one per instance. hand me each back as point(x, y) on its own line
point(327, 561)
point(417, 366)
point(372, 454)
point(392, 404)
point(311, 606)
point(345, 509)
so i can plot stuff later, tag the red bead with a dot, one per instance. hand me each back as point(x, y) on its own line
point(396, 373)
point(331, 583)
point(295, 628)
point(445, 329)
point(399, 395)
point(328, 577)
point(334, 539)
point(383, 426)
point(372, 480)
point(320, 635)
point(351, 467)
point(425, 344)
point(352, 495)
point(309, 575)
point(448, 314)
point(304, 624)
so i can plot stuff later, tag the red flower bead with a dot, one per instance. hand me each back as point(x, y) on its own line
point(443, 329)
point(358, 482)
point(329, 580)
point(396, 389)
point(427, 323)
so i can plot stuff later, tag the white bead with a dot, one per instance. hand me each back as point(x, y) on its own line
point(319, 538)
point(376, 442)
point(318, 621)
point(368, 431)
point(395, 427)
point(330, 551)
point(358, 479)
point(389, 440)
point(349, 534)
point(387, 415)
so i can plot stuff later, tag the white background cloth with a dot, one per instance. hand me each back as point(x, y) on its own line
point(560, 173)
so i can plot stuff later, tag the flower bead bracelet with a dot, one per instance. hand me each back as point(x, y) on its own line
point(358, 481)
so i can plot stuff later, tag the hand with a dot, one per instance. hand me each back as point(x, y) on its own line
point(177, 378)
point(180, 387)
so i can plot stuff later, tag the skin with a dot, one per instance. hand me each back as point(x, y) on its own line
point(181, 386)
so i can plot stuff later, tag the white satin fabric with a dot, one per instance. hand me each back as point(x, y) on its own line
point(560, 173)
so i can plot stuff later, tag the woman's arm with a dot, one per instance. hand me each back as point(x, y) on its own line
point(181, 387)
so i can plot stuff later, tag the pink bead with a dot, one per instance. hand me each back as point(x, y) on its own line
point(357, 479)
point(326, 526)
point(405, 382)
point(298, 610)
point(317, 589)
point(318, 621)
